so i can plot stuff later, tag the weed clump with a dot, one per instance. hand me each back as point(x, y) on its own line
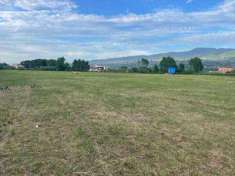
point(4, 88)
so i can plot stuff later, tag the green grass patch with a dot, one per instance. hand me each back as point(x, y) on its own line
point(60, 123)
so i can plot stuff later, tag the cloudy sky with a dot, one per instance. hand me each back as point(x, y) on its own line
point(97, 29)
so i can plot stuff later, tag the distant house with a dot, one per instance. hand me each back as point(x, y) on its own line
point(225, 70)
point(171, 70)
point(18, 66)
point(97, 68)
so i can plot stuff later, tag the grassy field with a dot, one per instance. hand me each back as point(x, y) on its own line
point(95, 124)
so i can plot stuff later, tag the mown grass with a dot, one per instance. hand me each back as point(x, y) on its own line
point(58, 123)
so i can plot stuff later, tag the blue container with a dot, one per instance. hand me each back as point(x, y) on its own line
point(171, 70)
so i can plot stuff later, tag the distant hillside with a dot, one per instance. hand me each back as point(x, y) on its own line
point(213, 56)
point(220, 56)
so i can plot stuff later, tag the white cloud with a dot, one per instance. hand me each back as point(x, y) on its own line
point(45, 4)
point(39, 4)
point(4, 1)
point(214, 37)
point(42, 29)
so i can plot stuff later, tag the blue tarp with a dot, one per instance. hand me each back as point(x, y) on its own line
point(171, 70)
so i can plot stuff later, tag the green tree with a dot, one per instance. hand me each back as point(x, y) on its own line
point(51, 63)
point(80, 65)
point(67, 67)
point(60, 64)
point(134, 70)
point(155, 68)
point(167, 62)
point(27, 64)
point(143, 62)
point(143, 66)
point(34, 64)
point(123, 69)
point(4, 66)
point(196, 64)
point(181, 68)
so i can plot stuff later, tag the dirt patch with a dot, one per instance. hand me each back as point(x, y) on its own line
point(216, 159)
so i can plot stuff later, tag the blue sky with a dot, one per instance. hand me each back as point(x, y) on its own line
point(98, 29)
point(117, 7)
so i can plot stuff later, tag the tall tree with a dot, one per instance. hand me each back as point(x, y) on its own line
point(44, 64)
point(143, 66)
point(4, 66)
point(167, 62)
point(38, 63)
point(155, 68)
point(123, 69)
point(80, 65)
point(196, 64)
point(143, 62)
point(60, 64)
point(27, 64)
point(181, 68)
point(51, 63)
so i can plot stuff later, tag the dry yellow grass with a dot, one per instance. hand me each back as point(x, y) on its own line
point(55, 123)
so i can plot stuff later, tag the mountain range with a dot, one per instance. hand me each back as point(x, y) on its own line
point(212, 58)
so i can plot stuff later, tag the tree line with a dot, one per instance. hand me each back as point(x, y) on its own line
point(195, 66)
point(4, 66)
point(59, 64)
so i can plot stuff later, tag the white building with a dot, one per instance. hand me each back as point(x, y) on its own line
point(17, 66)
point(97, 68)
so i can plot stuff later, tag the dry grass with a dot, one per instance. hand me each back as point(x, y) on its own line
point(92, 124)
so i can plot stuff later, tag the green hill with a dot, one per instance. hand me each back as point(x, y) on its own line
point(221, 56)
point(214, 56)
